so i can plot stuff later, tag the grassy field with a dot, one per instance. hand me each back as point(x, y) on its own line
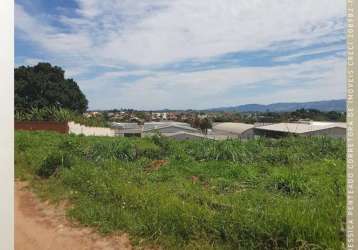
point(259, 194)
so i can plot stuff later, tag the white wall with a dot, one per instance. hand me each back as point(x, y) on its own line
point(79, 129)
point(184, 136)
point(330, 132)
point(223, 135)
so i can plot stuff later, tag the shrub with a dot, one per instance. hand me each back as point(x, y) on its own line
point(59, 115)
point(54, 162)
point(289, 182)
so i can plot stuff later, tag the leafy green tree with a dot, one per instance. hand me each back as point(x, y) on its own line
point(45, 85)
point(205, 124)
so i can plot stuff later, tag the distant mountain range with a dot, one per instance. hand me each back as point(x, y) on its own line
point(331, 105)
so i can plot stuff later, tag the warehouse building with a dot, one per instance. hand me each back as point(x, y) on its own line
point(305, 128)
point(177, 129)
point(231, 130)
point(167, 129)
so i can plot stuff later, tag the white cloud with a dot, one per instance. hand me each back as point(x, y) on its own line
point(202, 29)
point(50, 37)
point(311, 52)
point(217, 87)
point(146, 34)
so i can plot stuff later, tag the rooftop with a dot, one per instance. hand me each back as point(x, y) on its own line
point(232, 127)
point(132, 127)
point(302, 127)
point(149, 127)
point(126, 125)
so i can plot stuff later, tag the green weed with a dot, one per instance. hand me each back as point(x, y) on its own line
point(259, 194)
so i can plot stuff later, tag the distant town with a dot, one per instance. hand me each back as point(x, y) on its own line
point(217, 125)
point(189, 116)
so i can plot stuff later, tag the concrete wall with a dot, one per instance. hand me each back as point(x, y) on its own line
point(335, 132)
point(269, 133)
point(79, 129)
point(248, 134)
point(222, 135)
point(330, 132)
point(183, 137)
point(167, 130)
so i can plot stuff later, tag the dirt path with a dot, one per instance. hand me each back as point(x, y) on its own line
point(39, 226)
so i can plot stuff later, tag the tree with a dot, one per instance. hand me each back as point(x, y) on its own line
point(205, 124)
point(44, 85)
point(196, 122)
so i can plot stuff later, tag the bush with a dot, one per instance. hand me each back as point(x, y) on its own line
point(59, 115)
point(54, 162)
point(289, 183)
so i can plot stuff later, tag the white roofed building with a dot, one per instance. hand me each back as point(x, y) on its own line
point(182, 135)
point(305, 128)
point(167, 128)
point(231, 130)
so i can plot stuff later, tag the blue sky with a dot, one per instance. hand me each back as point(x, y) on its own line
point(183, 54)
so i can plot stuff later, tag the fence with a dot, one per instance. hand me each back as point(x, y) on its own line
point(64, 128)
point(60, 127)
point(79, 129)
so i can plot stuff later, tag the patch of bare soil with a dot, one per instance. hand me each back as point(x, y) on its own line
point(156, 165)
point(40, 226)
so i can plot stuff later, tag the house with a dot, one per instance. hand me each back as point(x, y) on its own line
point(231, 130)
point(172, 116)
point(303, 128)
point(159, 116)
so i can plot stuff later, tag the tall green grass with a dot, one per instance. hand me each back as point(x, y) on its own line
point(59, 115)
point(259, 194)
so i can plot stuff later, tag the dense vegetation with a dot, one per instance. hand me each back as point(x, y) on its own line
point(252, 117)
point(45, 85)
point(60, 115)
point(258, 194)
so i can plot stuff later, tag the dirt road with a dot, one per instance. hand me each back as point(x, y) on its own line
point(39, 226)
